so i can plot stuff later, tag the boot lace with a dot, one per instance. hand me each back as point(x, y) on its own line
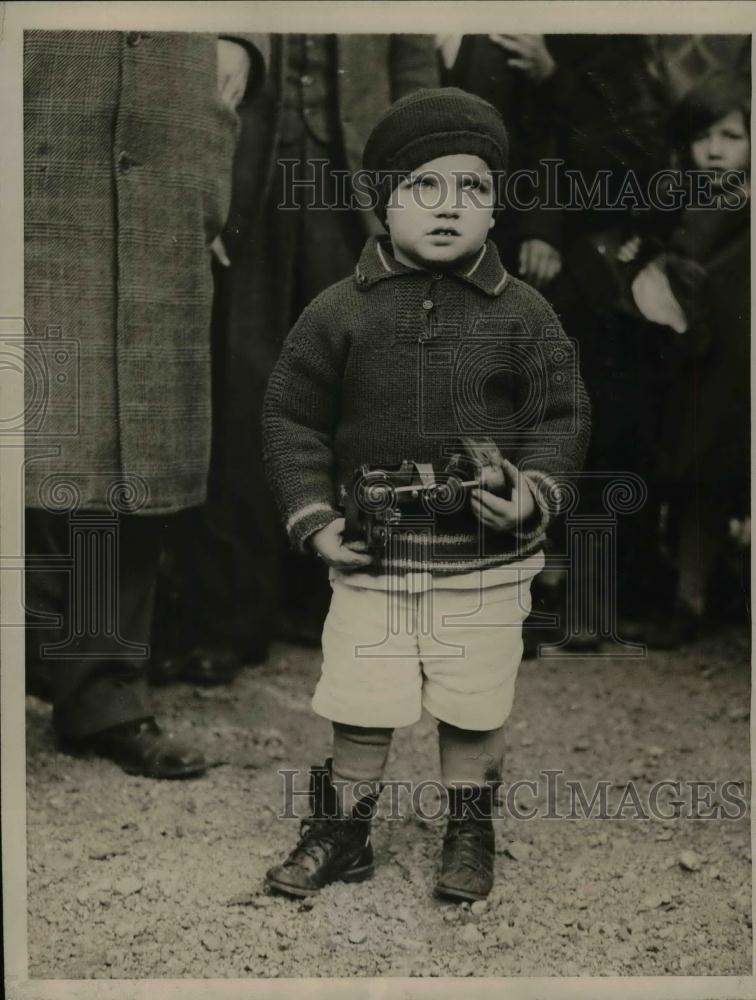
point(317, 837)
point(469, 846)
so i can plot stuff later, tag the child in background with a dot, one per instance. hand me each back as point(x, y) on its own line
point(346, 391)
point(699, 287)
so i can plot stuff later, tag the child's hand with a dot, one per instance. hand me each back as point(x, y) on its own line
point(330, 546)
point(497, 512)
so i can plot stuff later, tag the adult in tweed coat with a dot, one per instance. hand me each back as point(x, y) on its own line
point(322, 97)
point(129, 140)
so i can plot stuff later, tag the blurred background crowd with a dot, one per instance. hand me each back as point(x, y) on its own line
point(154, 238)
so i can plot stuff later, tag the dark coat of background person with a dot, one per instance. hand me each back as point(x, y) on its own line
point(705, 439)
point(230, 592)
point(599, 110)
point(602, 109)
point(128, 149)
point(680, 61)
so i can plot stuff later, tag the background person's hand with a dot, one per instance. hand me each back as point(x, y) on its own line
point(233, 71)
point(219, 252)
point(529, 55)
point(655, 299)
point(499, 513)
point(539, 262)
point(629, 250)
point(328, 543)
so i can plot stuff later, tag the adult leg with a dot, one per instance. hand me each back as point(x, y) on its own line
point(93, 688)
point(703, 534)
point(100, 699)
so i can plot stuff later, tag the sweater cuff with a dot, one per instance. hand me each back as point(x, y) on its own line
point(544, 491)
point(307, 520)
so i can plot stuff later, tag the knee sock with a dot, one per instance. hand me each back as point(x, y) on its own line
point(470, 757)
point(359, 758)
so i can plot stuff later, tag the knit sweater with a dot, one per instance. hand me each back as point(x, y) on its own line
point(395, 363)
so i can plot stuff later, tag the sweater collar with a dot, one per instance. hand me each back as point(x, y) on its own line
point(484, 270)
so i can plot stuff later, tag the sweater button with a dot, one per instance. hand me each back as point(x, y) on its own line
point(427, 303)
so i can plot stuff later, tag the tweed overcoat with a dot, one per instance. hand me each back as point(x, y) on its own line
point(128, 150)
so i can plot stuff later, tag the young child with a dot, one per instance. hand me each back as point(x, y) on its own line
point(356, 384)
point(695, 282)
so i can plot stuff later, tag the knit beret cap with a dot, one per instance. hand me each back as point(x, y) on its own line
point(435, 122)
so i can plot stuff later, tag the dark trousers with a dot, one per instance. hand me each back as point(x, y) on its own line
point(625, 364)
point(98, 576)
point(230, 569)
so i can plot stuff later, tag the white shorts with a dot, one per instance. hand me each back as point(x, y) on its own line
point(455, 651)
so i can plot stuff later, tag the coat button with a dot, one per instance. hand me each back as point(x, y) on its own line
point(305, 80)
point(132, 38)
point(125, 163)
point(427, 303)
point(437, 276)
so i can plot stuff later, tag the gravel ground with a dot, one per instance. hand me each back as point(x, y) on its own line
point(131, 878)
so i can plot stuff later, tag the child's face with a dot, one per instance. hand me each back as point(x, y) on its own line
point(725, 145)
point(442, 212)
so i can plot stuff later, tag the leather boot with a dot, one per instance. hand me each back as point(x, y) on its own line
point(467, 859)
point(332, 847)
point(143, 748)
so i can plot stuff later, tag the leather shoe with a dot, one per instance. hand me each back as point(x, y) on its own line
point(664, 631)
point(300, 630)
point(164, 668)
point(579, 643)
point(143, 748)
point(210, 665)
point(207, 664)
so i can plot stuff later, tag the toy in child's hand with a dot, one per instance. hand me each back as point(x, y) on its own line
point(505, 513)
point(486, 455)
point(389, 499)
